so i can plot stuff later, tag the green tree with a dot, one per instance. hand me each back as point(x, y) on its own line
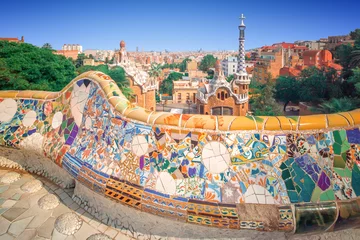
point(355, 58)
point(182, 65)
point(287, 90)
point(166, 86)
point(230, 78)
point(25, 66)
point(335, 105)
point(313, 87)
point(47, 46)
point(91, 56)
point(207, 62)
point(264, 103)
point(342, 54)
point(80, 60)
point(155, 71)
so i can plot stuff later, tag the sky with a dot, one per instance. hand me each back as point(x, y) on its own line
point(175, 25)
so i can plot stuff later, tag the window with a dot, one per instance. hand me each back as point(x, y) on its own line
point(226, 95)
point(243, 87)
point(222, 95)
point(218, 95)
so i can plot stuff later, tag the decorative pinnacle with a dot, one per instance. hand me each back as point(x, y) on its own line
point(242, 17)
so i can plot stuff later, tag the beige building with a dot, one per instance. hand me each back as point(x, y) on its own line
point(185, 90)
point(191, 65)
point(89, 62)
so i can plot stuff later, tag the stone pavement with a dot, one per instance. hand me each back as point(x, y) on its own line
point(31, 207)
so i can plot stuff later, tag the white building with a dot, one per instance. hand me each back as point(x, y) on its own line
point(68, 47)
point(229, 65)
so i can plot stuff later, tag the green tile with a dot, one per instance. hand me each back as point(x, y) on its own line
point(316, 194)
point(338, 162)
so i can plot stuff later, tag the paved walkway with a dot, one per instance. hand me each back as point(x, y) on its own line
point(24, 216)
point(31, 207)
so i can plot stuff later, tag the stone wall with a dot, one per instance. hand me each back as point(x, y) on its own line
point(294, 174)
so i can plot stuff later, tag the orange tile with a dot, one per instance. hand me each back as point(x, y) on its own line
point(201, 121)
point(272, 123)
point(312, 122)
point(337, 120)
point(356, 116)
point(243, 123)
point(224, 122)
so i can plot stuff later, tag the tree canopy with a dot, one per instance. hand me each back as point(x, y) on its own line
point(166, 86)
point(207, 62)
point(117, 74)
point(25, 66)
point(287, 90)
point(264, 104)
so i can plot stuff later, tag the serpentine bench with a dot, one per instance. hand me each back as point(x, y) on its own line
point(293, 174)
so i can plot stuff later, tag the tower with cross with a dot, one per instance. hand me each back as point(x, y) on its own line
point(241, 61)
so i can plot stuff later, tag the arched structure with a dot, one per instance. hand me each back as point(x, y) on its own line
point(298, 174)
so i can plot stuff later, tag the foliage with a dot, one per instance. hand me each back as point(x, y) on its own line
point(313, 85)
point(166, 86)
point(287, 90)
point(24, 66)
point(117, 74)
point(155, 70)
point(157, 97)
point(171, 65)
point(182, 65)
point(207, 62)
point(230, 78)
point(342, 54)
point(355, 58)
point(264, 103)
point(80, 60)
point(335, 105)
point(47, 46)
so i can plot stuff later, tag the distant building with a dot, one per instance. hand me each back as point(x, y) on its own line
point(68, 53)
point(142, 85)
point(311, 58)
point(13, 39)
point(191, 65)
point(89, 62)
point(71, 47)
point(185, 90)
point(312, 45)
point(219, 97)
point(334, 41)
point(229, 65)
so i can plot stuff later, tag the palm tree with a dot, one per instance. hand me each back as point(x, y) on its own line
point(155, 70)
point(355, 58)
point(335, 105)
point(47, 46)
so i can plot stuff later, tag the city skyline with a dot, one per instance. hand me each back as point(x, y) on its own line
point(161, 25)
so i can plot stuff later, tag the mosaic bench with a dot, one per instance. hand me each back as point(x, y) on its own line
point(293, 174)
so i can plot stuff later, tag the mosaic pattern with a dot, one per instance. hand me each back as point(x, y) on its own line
point(192, 175)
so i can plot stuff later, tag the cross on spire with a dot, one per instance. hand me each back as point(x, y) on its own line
point(242, 18)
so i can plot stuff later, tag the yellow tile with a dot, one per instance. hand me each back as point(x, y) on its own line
point(121, 106)
point(312, 122)
point(243, 123)
point(52, 95)
point(40, 95)
point(8, 94)
point(272, 123)
point(337, 120)
point(168, 119)
point(285, 123)
point(348, 117)
point(201, 122)
point(25, 94)
point(356, 116)
point(224, 122)
point(139, 114)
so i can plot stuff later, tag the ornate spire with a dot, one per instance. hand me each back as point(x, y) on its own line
point(241, 61)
